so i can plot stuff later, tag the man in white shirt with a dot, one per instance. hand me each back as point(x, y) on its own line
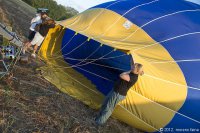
point(34, 22)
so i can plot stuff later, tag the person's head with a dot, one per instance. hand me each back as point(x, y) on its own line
point(49, 21)
point(138, 69)
point(44, 15)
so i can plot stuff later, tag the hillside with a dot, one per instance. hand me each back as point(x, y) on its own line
point(16, 14)
point(30, 104)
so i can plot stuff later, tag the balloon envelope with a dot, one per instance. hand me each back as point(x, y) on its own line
point(88, 52)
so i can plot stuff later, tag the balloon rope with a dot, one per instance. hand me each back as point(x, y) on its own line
point(122, 106)
point(136, 50)
point(71, 37)
point(104, 9)
point(96, 59)
point(84, 60)
point(193, 33)
point(109, 67)
point(61, 67)
point(171, 82)
point(74, 66)
point(112, 57)
point(166, 107)
point(65, 44)
point(58, 66)
point(194, 88)
point(150, 99)
point(156, 19)
point(113, 23)
point(153, 44)
point(169, 39)
point(168, 82)
point(95, 64)
point(137, 92)
point(149, 21)
point(76, 48)
point(87, 26)
point(135, 7)
point(176, 61)
point(87, 57)
point(94, 74)
point(142, 25)
point(157, 78)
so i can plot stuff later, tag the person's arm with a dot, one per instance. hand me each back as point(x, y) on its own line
point(37, 27)
point(36, 19)
point(125, 76)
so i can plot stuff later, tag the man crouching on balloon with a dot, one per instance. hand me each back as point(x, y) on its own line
point(125, 82)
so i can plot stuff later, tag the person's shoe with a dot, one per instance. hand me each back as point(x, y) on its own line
point(33, 55)
point(96, 125)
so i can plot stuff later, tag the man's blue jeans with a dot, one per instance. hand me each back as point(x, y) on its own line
point(112, 99)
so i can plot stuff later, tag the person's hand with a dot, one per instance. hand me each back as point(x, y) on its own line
point(142, 73)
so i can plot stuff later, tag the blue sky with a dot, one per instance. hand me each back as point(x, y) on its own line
point(82, 5)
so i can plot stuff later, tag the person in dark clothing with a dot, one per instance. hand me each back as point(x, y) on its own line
point(41, 33)
point(125, 82)
point(38, 19)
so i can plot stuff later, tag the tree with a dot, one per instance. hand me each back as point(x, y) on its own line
point(57, 12)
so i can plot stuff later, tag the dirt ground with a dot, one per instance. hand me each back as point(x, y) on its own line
point(30, 104)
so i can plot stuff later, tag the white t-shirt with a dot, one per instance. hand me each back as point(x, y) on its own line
point(35, 21)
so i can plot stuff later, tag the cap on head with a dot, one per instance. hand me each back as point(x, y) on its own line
point(42, 10)
point(44, 13)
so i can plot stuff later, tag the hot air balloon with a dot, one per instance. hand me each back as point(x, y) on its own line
point(86, 53)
